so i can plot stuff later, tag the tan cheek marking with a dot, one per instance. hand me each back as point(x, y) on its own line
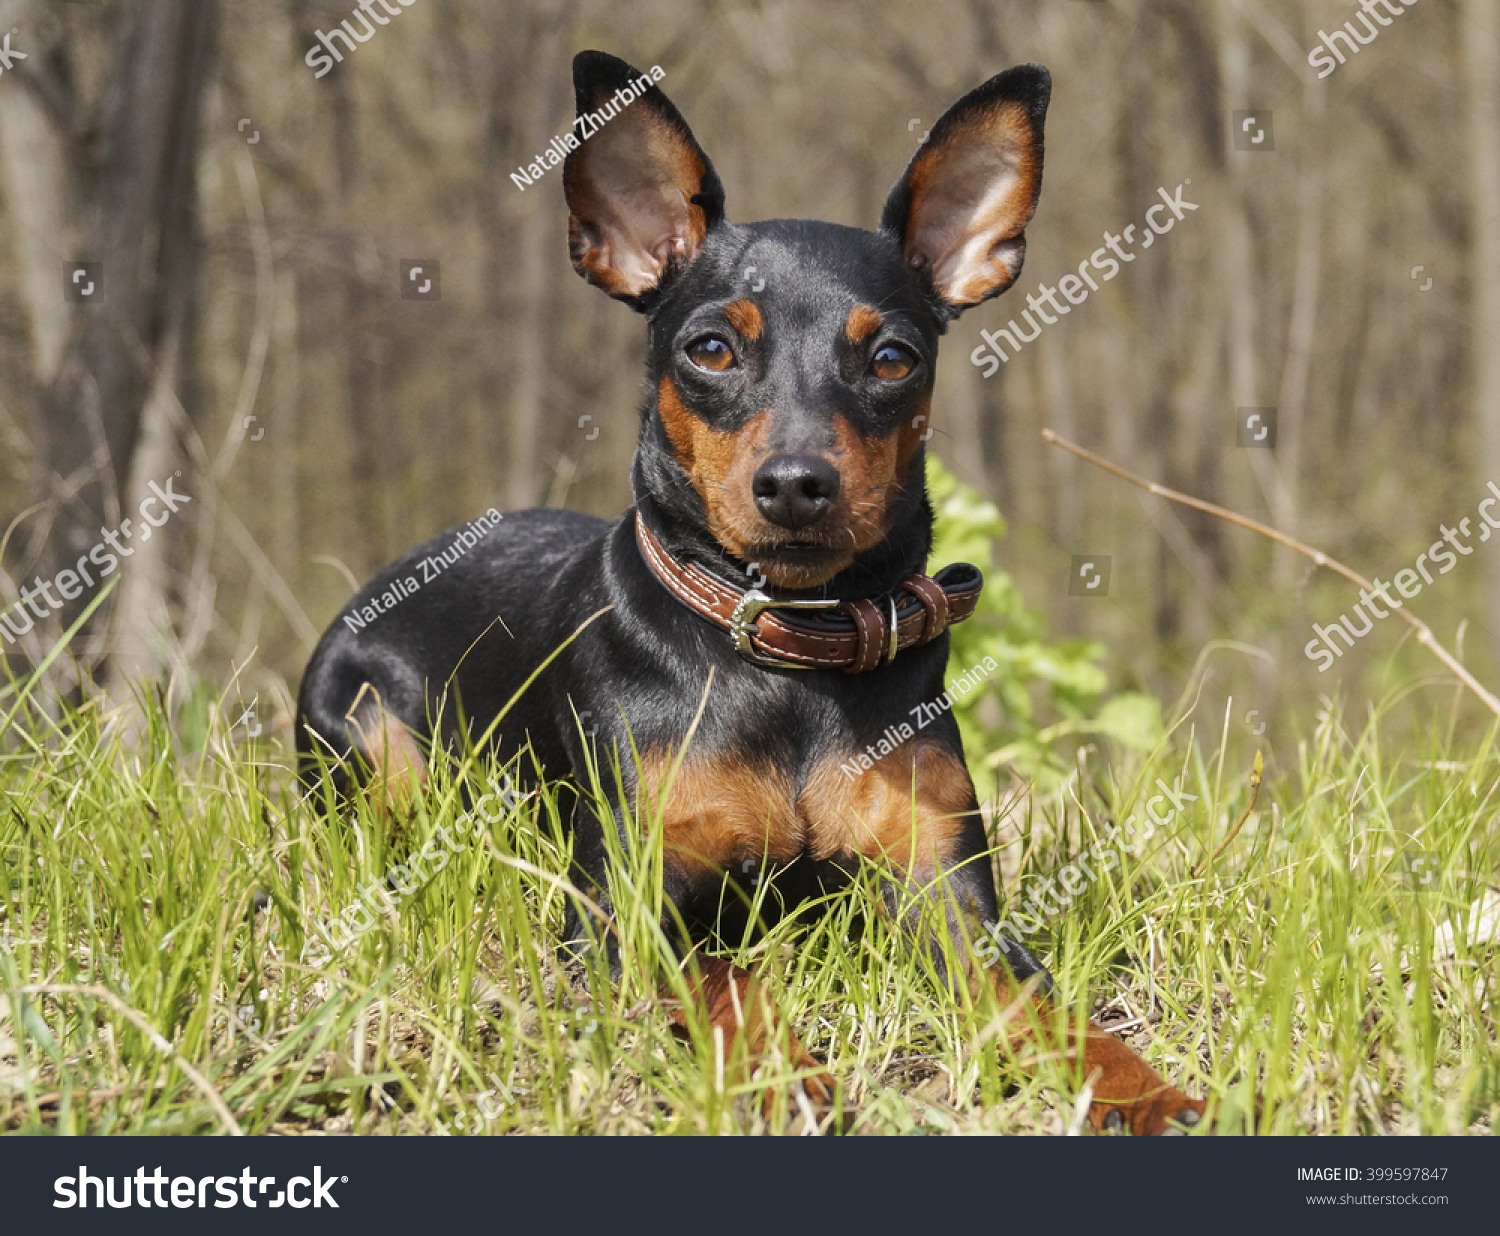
point(910, 436)
point(907, 811)
point(867, 468)
point(864, 321)
point(720, 465)
point(718, 813)
point(683, 428)
point(745, 317)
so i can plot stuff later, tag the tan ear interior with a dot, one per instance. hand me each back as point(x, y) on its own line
point(972, 196)
point(629, 189)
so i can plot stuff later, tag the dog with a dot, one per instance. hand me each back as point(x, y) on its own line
point(778, 544)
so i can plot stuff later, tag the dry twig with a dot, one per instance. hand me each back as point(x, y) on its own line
point(1425, 636)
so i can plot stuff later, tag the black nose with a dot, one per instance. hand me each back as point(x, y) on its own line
point(795, 490)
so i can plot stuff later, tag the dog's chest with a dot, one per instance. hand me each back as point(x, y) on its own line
point(720, 812)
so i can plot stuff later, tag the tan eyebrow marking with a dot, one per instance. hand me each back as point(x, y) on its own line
point(745, 317)
point(864, 321)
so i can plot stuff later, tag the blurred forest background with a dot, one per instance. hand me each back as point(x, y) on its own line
point(253, 222)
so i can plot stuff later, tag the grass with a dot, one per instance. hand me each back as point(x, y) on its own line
point(160, 971)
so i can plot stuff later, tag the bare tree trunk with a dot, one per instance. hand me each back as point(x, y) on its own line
point(1058, 412)
point(1284, 470)
point(135, 206)
point(368, 455)
point(1239, 256)
point(34, 183)
point(1138, 159)
point(141, 639)
point(958, 422)
point(283, 423)
point(33, 178)
point(524, 481)
point(1482, 72)
point(1296, 372)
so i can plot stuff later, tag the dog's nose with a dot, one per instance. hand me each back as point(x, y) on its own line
point(795, 490)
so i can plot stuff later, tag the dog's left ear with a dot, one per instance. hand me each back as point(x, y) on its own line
point(960, 210)
point(642, 195)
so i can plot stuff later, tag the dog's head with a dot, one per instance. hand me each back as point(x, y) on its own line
point(791, 362)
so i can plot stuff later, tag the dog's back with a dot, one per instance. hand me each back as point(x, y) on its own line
point(453, 627)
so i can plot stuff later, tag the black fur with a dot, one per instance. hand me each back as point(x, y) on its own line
point(639, 671)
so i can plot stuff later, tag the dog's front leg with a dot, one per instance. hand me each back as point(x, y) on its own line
point(918, 817)
point(1127, 1092)
point(745, 1021)
point(710, 815)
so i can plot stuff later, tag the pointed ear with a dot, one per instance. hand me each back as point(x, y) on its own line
point(960, 210)
point(642, 195)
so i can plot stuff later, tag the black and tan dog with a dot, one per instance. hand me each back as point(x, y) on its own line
point(779, 539)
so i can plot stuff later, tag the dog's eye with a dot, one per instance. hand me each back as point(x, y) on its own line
point(891, 363)
point(711, 353)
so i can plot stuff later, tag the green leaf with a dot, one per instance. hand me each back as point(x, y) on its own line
point(1041, 696)
point(1132, 719)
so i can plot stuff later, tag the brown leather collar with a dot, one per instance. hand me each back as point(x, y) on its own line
point(854, 636)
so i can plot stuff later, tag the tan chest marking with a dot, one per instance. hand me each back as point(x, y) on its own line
point(718, 812)
point(905, 812)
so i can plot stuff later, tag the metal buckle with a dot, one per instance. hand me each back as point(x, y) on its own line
point(742, 626)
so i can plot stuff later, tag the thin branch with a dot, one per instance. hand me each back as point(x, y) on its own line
point(1424, 633)
point(260, 336)
point(1256, 773)
point(53, 96)
point(1277, 36)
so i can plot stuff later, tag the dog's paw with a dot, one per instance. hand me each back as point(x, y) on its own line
point(818, 1091)
point(1169, 1114)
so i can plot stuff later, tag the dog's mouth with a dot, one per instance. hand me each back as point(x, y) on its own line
point(800, 563)
point(794, 550)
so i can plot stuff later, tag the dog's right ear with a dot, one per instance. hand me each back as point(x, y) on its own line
point(642, 195)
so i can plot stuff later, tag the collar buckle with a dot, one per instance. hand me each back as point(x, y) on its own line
point(749, 609)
